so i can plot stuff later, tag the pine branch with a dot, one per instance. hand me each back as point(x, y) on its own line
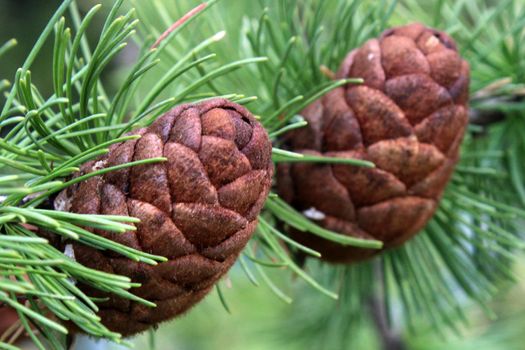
point(306, 39)
point(278, 105)
point(469, 246)
point(389, 338)
point(49, 138)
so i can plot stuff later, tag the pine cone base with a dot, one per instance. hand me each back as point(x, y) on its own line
point(408, 118)
point(198, 209)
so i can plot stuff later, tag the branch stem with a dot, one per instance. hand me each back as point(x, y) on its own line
point(390, 339)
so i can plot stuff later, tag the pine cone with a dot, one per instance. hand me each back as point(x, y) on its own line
point(198, 209)
point(408, 117)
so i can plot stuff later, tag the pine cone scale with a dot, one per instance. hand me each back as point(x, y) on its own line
point(206, 225)
point(149, 182)
point(258, 160)
point(405, 158)
point(217, 122)
point(367, 185)
point(231, 245)
point(440, 128)
point(340, 123)
point(367, 65)
point(240, 194)
point(187, 130)
point(156, 232)
point(120, 154)
point(388, 121)
point(446, 67)
point(400, 55)
point(222, 160)
point(417, 95)
point(395, 218)
point(187, 176)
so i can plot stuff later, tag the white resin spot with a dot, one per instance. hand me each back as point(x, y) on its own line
point(101, 164)
point(70, 252)
point(432, 41)
point(62, 202)
point(314, 214)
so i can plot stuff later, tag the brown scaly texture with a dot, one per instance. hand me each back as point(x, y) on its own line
point(8, 317)
point(408, 117)
point(198, 209)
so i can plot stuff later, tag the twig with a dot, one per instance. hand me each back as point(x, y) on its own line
point(178, 23)
point(390, 339)
point(489, 112)
point(70, 341)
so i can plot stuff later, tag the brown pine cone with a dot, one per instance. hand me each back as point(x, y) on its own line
point(198, 209)
point(408, 117)
point(8, 317)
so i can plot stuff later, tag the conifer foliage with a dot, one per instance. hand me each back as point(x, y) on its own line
point(123, 207)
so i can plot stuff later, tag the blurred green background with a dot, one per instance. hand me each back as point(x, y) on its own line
point(24, 20)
